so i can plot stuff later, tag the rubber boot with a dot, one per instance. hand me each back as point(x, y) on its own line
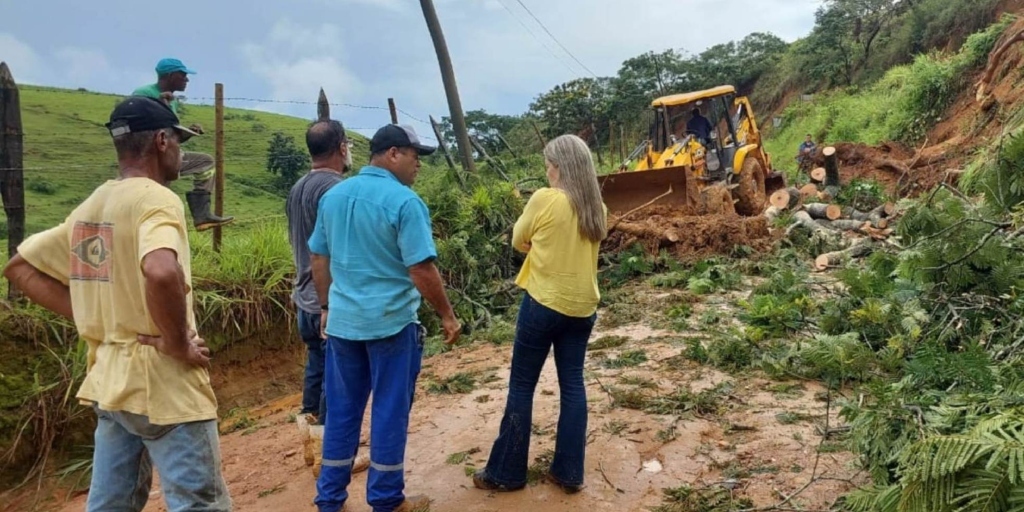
point(199, 203)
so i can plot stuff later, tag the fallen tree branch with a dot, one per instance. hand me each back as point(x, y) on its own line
point(984, 240)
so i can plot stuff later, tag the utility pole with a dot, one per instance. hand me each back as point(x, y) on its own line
point(451, 89)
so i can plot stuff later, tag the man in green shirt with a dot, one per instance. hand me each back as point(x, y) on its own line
point(172, 76)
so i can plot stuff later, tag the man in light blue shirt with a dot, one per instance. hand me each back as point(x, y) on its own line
point(373, 259)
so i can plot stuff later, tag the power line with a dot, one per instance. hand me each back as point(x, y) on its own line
point(534, 35)
point(520, 2)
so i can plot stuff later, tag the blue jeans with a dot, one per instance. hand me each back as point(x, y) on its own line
point(186, 455)
point(313, 399)
point(538, 329)
point(388, 368)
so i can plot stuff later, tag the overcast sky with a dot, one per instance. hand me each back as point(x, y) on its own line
point(363, 51)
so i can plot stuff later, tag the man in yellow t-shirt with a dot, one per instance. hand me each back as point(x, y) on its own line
point(119, 265)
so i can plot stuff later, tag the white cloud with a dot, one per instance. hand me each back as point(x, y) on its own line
point(25, 64)
point(297, 60)
point(81, 65)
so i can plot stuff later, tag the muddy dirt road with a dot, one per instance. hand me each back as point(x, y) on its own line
point(761, 440)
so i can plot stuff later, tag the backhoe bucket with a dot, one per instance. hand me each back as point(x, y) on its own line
point(625, 191)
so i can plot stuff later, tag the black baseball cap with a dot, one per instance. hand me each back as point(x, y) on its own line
point(398, 136)
point(142, 114)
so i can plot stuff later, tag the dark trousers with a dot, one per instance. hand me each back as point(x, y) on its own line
point(313, 398)
point(388, 368)
point(538, 330)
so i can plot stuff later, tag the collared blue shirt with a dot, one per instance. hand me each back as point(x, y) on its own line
point(373, 228)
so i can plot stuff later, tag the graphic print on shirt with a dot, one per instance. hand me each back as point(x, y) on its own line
point(92, 251)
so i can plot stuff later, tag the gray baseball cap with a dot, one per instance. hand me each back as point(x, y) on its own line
point(398, 136)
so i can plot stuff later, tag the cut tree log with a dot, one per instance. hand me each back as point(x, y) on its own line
point(824, 211)
point(846, 225)
point(832, 192)
point(859, 249)
point(803, 219)
point(785, 199)
point(824, 196)
point(886, 209)
point(831, 167)
point(854, 214)
point(808, 191)
point(818, 175)
point(771, 213)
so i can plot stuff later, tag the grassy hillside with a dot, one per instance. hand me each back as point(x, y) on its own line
point(68, 153)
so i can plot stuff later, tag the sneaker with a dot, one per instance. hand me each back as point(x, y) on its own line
point(480, 481)
point(567, 488)
point(418, 503)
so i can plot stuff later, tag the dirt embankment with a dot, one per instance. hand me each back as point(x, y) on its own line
point(978, 117)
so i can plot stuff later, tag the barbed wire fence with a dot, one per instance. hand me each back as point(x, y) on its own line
point(246, 146)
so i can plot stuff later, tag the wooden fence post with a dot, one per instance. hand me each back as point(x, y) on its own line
point(323, 108)
point(394, 110)
point(12, 170)
point(218, 204)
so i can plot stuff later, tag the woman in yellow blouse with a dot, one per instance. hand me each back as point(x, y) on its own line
point(560, 232)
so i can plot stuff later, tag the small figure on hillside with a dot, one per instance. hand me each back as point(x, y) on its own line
point(373, 261)
point(560, 231)
point(805, 153)
point(172, 76)
point(119, 266)
point(331, 154)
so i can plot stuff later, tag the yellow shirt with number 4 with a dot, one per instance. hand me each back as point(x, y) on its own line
point(560, 270)
point(98, 253)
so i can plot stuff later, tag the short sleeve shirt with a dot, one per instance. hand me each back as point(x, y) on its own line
point(98, 253)
point(373, 228)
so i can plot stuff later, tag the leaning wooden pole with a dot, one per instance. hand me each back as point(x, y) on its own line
point(540, 136)
point(12, 170)
point(218, 198)
point(451, 88)
point(393, 110)
point(441, 145)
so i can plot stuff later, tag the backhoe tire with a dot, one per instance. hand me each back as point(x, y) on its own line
point(750, 196)
point(716, 200)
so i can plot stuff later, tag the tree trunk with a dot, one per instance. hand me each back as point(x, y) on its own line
point(823, 211)
point(831, 167)
point(831, 259)
point(785, 199)
point(818, 175)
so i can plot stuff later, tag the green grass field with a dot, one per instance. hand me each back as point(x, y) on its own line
point(68, 153)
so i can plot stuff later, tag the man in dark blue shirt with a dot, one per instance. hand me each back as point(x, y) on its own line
point(699, 126)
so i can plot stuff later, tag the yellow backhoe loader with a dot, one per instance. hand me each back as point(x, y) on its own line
point(704, 154)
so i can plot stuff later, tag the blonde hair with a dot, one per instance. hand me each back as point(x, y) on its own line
point(578, 179)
